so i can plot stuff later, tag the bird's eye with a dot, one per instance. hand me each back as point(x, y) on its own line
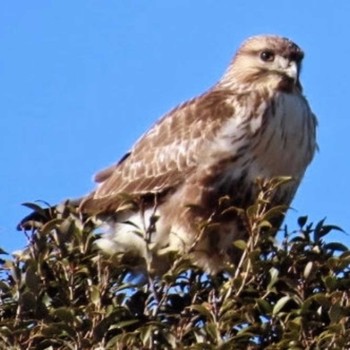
point(267, 56)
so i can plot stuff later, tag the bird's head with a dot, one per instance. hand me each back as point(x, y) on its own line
point(266, 61)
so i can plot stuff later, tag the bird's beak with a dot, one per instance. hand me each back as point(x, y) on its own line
point(292, 70)
point(288, 68)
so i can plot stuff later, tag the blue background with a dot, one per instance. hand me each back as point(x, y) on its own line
point(80, 81)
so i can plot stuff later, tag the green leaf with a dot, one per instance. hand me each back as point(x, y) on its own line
point(280, 304)
point(4, 287)
point(37, 208)
point(308, 269)
point(212, 330)
point(123, 324)
point(322, 299)
point(95, 295)
point(263, 306)
point(65, 314)
point(52, 330)
point(265, 224)
point(28, 300)
point(336, 313)
point(330, 282)
point(296, 323)
point(334, 246)
point(203, 310)
point(275, 212)
point(302, 221)
point(2, 251)
point(52, 224)
point(274, 273)
point(240, 244)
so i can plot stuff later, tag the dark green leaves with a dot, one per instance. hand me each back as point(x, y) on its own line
point(59, 293)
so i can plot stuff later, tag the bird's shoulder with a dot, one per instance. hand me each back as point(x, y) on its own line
point(179, 130)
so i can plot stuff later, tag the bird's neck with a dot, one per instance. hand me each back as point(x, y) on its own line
point(258, 81)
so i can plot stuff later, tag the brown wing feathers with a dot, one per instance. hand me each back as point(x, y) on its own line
point(164, 156)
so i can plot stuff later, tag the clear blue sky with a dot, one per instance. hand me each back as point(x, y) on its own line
point(80, 81)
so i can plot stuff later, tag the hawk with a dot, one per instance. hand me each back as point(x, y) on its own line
point(253, 123)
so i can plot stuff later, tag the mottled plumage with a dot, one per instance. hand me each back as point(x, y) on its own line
point(254, 122)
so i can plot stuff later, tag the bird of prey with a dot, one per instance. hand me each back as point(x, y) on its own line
point(253, 123)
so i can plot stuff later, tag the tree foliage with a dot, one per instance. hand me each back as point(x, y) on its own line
point(61, 293)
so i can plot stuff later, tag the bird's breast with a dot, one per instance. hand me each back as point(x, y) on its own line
point(285, 142)
point(275, 138)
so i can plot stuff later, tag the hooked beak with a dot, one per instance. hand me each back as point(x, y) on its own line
point(288, 68)
point(292, 70)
